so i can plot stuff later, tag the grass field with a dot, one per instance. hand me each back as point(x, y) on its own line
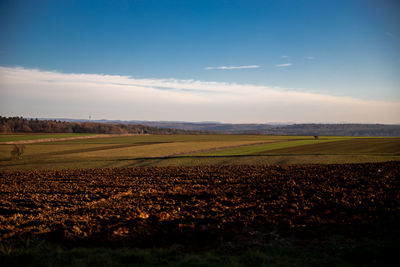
point(256, 149)
point(24, 137)
point(188, 150)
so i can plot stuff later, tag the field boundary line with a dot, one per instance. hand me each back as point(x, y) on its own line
point(64, 139)
point(255, 155)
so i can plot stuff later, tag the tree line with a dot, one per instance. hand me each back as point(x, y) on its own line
point(23, 125)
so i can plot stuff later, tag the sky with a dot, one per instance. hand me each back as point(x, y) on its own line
point(228, 61)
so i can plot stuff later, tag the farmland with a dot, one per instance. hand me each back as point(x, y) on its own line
point(27, 137)
point(193, 150)
point(196, 208)
point(219, 194)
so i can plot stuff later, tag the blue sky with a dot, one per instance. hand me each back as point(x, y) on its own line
point(331, 48)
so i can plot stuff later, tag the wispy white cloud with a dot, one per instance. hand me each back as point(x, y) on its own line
point(284, 65)
point(284, 56)
point(38, 93)
point(309, 58)
point(233, 67)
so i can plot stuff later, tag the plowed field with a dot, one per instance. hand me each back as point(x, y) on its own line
point(354, 146)
point(197, 206)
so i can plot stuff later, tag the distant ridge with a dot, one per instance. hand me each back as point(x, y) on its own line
point(275, 128)
point(23, 125)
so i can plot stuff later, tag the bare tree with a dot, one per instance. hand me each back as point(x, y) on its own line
point(17, 151)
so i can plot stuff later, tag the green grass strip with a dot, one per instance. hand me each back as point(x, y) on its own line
point(257, 149)
point(24, 137)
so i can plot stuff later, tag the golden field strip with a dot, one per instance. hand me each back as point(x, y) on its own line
point(189, 150)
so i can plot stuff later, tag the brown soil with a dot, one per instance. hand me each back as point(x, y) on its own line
point(198, 207)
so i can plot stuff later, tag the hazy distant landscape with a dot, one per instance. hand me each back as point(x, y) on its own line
point(23, 125)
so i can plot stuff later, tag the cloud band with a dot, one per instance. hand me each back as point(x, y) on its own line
point(38, 93)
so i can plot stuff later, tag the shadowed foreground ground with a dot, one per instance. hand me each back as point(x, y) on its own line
point(197, 209)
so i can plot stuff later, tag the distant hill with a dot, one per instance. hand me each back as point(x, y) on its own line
point(345, 129)
point(366, 130)
point(23, 125)
point(287, 129)
point(189, 126)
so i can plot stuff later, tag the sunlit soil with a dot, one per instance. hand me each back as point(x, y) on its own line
point(197, 206)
